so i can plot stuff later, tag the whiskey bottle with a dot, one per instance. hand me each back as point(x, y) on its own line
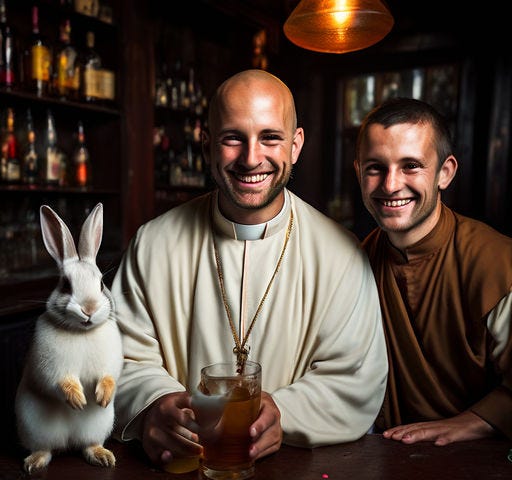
point(38, 61)
point(11, 149)
point(31, 161)
point(66, 82)
point(52, 156)
point(91, 66)
point(81, 161)
point(7, 51)
point(161, 95)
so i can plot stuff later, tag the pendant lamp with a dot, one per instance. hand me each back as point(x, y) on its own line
point(338, 26)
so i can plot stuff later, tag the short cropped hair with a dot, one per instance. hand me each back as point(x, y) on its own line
point(399, 110)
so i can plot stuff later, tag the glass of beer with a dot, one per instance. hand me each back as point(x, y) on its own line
point(224, 431)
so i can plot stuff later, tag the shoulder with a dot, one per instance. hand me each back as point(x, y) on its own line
point(484, 262)
point(476, 239)
point(326, 241)
point(319, 225)
point(184, 219)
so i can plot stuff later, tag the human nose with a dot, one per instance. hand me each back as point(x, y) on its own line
point(252, 154)
point(391, 181)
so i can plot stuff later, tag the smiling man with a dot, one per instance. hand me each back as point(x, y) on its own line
point(249, 269)
point(444, 283)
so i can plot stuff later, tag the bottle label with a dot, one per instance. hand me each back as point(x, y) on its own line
point(107, 84)
point(30, 167)
point(3, 168)
point(87, 7)
point(41, 63)
point(53, 166)
point(82, 178)
point(13, 171)
point(91, 84)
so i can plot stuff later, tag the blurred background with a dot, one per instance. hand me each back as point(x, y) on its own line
point(121, 123)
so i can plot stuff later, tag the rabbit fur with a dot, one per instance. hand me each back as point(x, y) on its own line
point(65, 397)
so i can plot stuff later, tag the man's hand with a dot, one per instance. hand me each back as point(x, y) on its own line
point(169, 428)
point(465, 426)
point(266, 431)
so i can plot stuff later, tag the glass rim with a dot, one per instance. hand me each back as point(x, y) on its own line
point(254, 370)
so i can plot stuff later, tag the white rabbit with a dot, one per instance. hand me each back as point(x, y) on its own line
point(65, 397)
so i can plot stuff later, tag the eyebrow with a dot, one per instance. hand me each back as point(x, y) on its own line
point(240, 132)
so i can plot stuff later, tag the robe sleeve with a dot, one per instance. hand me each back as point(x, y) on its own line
point(496, 407)
point(144, 378)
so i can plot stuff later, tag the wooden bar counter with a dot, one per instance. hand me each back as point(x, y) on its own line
point(370, 458)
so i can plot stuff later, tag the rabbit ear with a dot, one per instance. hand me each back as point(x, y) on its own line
point(56, 236)
point(91, 234)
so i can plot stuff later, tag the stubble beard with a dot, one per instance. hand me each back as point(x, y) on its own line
point(397, 224)
point(237, 198)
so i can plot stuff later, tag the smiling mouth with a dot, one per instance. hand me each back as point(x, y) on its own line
point(251, 178)
point(395, 203)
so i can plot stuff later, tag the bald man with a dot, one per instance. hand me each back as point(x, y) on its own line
point(252, 267)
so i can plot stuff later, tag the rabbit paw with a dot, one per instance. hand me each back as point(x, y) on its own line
point(105, 390)
point(74, 393)
point(99, 455)
point(37, 460)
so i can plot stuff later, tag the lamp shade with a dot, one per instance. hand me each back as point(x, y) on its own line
point(338, 26)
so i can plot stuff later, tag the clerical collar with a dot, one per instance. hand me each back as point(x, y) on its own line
point(239, 231)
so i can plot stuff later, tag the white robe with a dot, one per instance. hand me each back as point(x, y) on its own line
point(318, 337)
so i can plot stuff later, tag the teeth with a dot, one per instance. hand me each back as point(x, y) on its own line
point(395, 203)
point(252, 178)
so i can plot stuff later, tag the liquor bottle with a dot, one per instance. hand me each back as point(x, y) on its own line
point(7, 51)
point(191, 95)
point(65, 169)
point(66, 82)
point(161, 96)
point(81, 161)
point(105, 13)
point(91, 66)
point(196, 133)
point(161, 149)
point(52, 156)
point(11, 149)
point(178, 91)
point(38, 61)
point(87, 7)
point(31, 161)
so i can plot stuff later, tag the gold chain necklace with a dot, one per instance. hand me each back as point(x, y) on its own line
point(240, 349)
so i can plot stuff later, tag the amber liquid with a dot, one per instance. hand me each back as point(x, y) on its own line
point(182, 465)
point(227, 447)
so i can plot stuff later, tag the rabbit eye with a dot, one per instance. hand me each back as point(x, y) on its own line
point(65, 286)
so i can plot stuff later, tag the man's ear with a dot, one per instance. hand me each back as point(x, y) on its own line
point(447, 172)
point(298, 142)
point(357, 168)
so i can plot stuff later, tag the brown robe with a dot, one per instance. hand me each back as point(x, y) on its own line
point(435, 308)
